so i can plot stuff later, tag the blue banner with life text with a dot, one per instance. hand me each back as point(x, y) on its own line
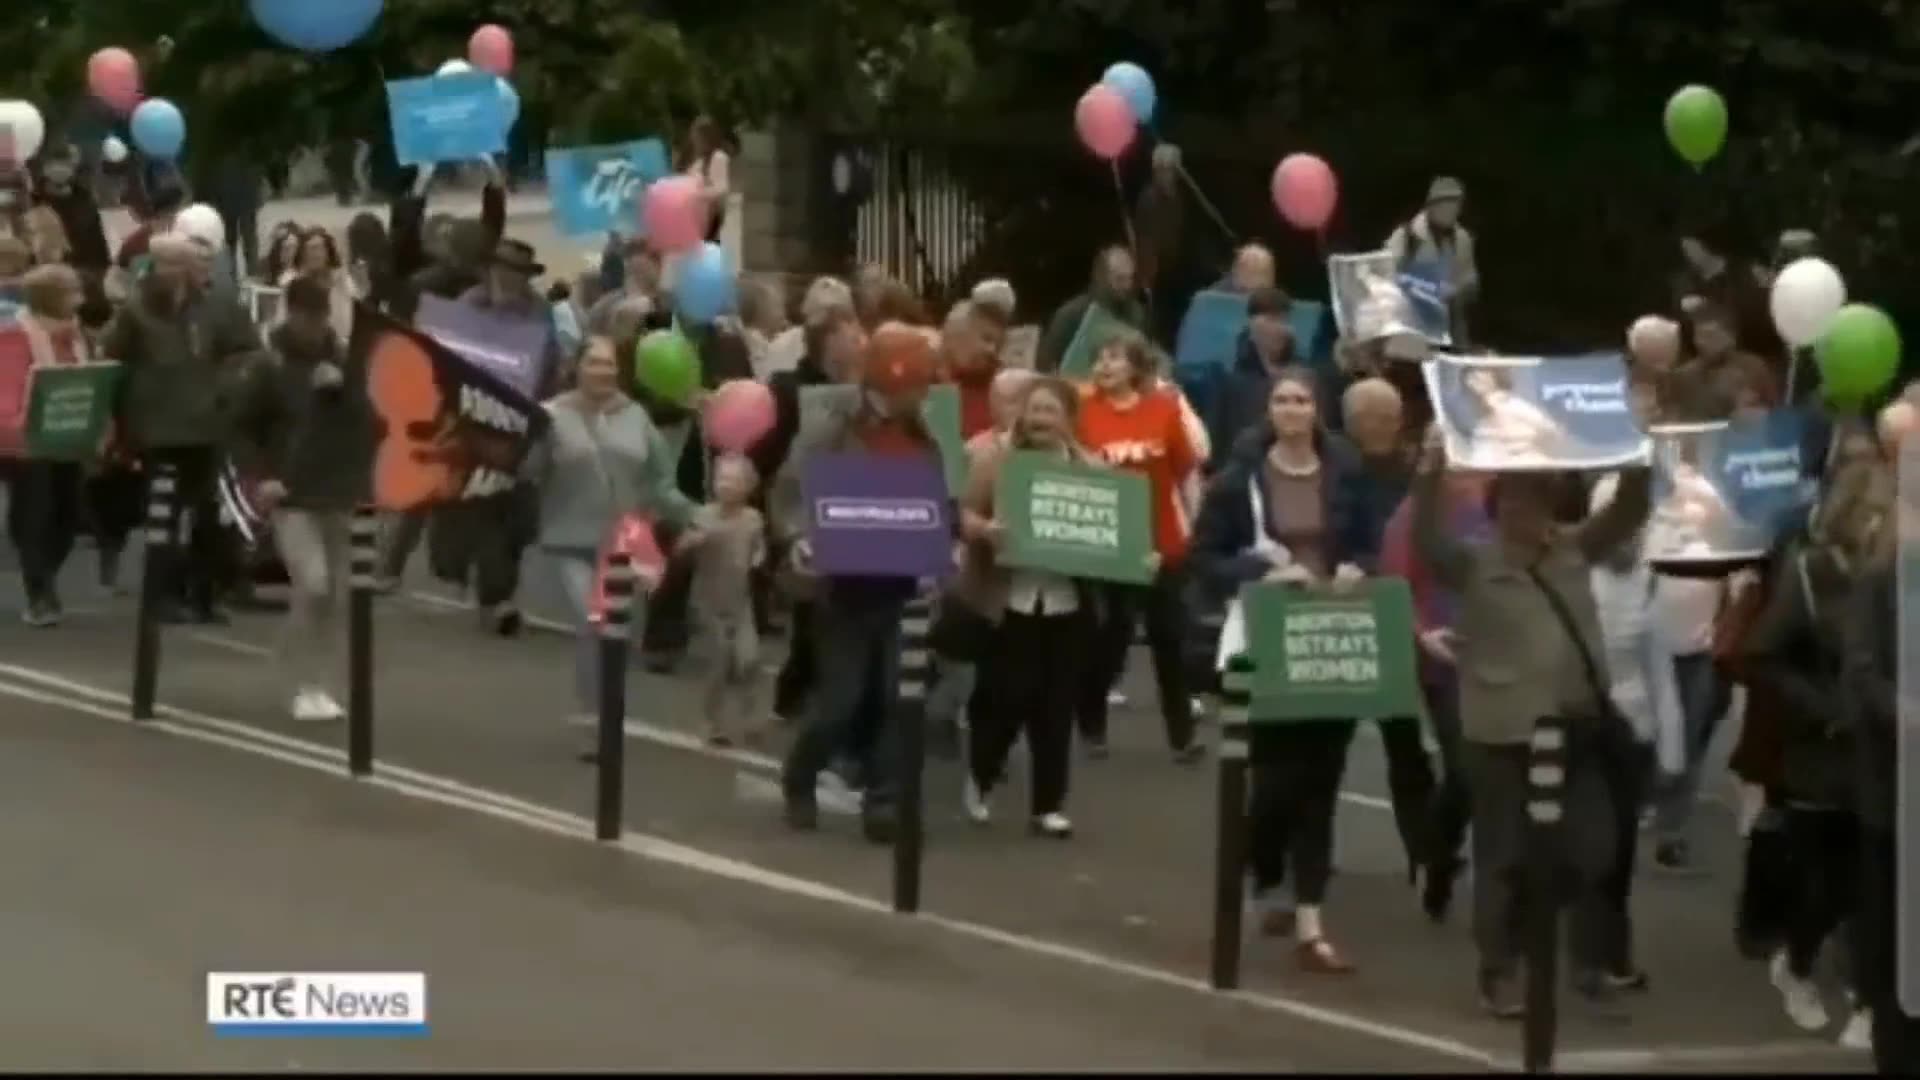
point(440, 118)
point(595, 189)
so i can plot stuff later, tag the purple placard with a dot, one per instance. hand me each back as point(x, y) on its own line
point(507, 346)
point(873, 516)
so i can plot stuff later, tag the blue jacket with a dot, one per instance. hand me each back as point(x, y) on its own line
point(1223, 536)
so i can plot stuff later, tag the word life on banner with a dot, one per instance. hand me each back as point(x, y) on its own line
point(1726, 490)
point(1074, 519)
point(596, 189)
point(1519, 414)
point(1321, 655)
point(871, 515)
point(448, 429)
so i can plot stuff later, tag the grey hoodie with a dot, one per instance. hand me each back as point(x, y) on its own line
point(594, 466)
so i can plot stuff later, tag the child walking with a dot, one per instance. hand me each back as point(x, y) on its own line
point(726, 544)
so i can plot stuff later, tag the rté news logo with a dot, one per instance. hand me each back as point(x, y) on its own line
point(317, 1004)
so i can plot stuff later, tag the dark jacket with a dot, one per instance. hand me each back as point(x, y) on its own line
point(1794, 653)
point(449, 278)
point(1240, 402)
point(770, 453)
point(1220, 554)
point(1872, 680)
point(317, 441)
point(185, 367)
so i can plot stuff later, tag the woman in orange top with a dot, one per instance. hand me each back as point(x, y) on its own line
point(1132, 423)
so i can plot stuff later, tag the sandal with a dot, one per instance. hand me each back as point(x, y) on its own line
point(1319, 957)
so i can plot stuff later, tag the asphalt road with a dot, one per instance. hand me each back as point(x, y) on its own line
point(1126, 903)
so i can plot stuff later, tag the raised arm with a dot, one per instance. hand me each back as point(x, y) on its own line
point(1621, 519)
point(1443, 553)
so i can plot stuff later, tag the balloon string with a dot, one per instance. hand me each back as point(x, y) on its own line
point(1207, 205)
point(1126, 219)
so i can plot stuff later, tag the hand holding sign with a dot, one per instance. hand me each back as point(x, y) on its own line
point(1346, 576)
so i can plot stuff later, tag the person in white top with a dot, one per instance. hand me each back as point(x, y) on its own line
point(707, 162)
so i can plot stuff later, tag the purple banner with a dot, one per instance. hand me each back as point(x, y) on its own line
point(506, 346)
point(872, 516)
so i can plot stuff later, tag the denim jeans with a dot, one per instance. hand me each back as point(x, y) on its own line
point(1704, 697)
point(858, 651)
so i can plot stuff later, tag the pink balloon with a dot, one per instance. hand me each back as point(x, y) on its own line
point(113, 76)
point(1105, 122)
point(675, 214)
point(491, 50)
point(738, 415)
point(1305, 191)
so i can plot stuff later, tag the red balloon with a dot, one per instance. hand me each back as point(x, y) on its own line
point(491, 50)
point(675, 214)
point(1105, 122)
point(113, 76)
point(738, 415)
point(1305, 191)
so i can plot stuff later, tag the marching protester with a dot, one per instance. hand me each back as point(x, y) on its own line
point(708, 162)
point(970, 358)
point(1435, 237)
point(370, 264)
point(43, 497)
point(184, 356)
point(1265, 348)
point(283, 253)
point(1291, 505)
point(304, 432)
point(855, 619)
point(640, 288)
point(1112, 287)
point(601, 460)
point(1529, 647)
point(1131, 422)
point(1029, 671)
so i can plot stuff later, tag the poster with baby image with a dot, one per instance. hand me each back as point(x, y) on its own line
point(1370, 304)
point(1536, 414)
point(1724, 491)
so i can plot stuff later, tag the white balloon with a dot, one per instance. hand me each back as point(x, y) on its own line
point(1806, 296)
point(28, 127)
point(454, 67)
point(113, 149)
point(202, 223)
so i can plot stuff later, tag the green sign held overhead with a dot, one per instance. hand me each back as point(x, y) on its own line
point(1074, 519)
point(68, 409)
point(1326, 655)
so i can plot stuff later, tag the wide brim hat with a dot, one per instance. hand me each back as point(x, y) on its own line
point(517, 256)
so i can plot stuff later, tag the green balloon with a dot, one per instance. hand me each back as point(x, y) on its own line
point(1858, 355)
point(1697, 123)
point(665, 363)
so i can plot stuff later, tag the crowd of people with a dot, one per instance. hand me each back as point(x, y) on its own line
point(1295, 464)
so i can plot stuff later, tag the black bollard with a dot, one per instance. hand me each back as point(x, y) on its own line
point(1546, 811)
point(1230, 827)
point(362, 568)
point(156, 578)
point(909, 837)
point(611, 751)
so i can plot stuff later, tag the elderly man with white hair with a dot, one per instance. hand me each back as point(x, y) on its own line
point(180, 348)
point(1252, 269)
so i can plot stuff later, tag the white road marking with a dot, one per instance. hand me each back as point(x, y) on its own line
point(221, 641)
point(96, 702)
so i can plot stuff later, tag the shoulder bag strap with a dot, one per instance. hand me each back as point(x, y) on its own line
point(1565, 617)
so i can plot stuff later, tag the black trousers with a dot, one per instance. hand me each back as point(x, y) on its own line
point(667, 631)
point(1159, 604)
point(1896, 1034)
point(43, 518)
point(1028, 681)
point(1826, 877)
point(197, 570)
point(1411, 784)
point(796, 678)
point(1449, 808)
point(1603, 917)
point(115, 504)
point(1297, 768)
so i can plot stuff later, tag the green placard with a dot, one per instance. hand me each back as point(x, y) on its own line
point(1075, 519)
point(1325, 655)
point(68, 408)
point(1097, 327)
point(941, 413)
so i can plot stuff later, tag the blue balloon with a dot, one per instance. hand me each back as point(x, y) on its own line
point(158, 129)
point(705, 290)
point(509, 100)
point(1134, 84)
point(316, 25)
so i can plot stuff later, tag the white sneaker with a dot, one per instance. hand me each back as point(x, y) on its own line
point(1858, 1034)
point(1054, 825)
point(1800, 997)
point(978, 810)
point(1116, 698)
point(316, 706)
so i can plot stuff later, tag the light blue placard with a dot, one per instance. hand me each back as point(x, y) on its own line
point(1211, 330)
point(1424, 282)
point(447, 118)
point(1308, 318)
point(595, 189)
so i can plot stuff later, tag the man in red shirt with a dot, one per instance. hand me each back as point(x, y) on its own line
point(970, 358)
